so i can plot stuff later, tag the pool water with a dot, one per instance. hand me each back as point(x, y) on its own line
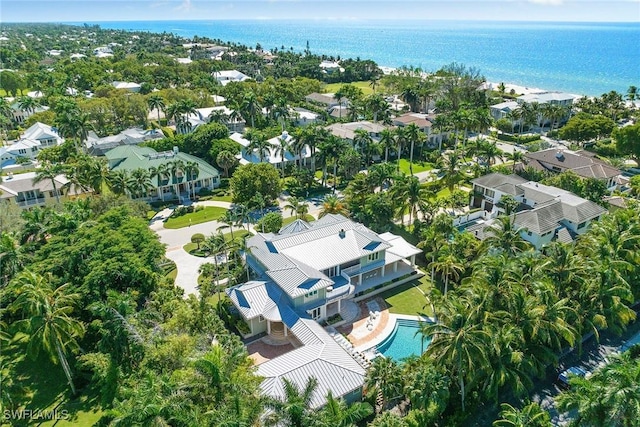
point(403, 341)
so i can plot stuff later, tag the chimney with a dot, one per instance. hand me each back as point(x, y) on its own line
point(342, 234)
point(175, 149)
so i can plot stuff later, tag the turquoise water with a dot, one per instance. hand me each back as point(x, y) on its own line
point(581, 58)
point(403, 341)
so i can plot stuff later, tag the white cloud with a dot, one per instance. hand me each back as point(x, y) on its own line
point(185, 6)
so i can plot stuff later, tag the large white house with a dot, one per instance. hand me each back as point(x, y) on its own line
point(303, 275)
point(273, 156)
point(544, 213)
point(34, 139)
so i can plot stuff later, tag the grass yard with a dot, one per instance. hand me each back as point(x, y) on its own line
point(364, 86)
point(39, 385)
point(209, 213)
point(192, 248)
point(290, 219)
point(409, 298)
point(417, 166)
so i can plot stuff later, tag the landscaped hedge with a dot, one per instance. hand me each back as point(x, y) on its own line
point(521, 139)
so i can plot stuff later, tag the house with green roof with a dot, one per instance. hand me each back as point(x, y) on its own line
point(173, 175)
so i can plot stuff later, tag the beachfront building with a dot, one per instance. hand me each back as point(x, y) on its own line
point(503, 110)
point(582, 163)
point(22, 190)
point(173, 178)
point(304, 274)
point(554, 98)
point(544, 213)
point(36, 138)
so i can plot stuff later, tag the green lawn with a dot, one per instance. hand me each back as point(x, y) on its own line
point(364, 86)
point(290, 219)
point(192, 248)
point(40, 385)
point(226, 198)
point(417, 167)
point(209, 213)
point(409, 298)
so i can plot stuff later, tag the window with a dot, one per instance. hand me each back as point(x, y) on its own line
point(260, 319)
point(582, 225)
point(311, 294)
point(316, 312)
point(489, 193)
point(330, 272)
point(373, 256)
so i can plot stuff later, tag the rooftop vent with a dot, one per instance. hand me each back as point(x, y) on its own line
point(342, 234)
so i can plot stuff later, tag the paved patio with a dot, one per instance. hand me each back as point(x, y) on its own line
point(261, 351)
point(358, 332)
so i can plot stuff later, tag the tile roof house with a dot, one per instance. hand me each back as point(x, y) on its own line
point(304, 273)
point(348, 130)
point(425, 123)
point(582, 163)
point(24, 192)
point(545, 213)
point(166, 185)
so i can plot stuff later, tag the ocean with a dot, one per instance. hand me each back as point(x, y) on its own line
point(581, 58)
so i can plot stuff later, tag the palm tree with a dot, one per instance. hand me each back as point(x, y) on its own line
point(451, 173)
point(330, 149)
point(387, 141)
point(118, 181)
point(384, 377)
point(294, 408)
point(162, 173)
point(490, 152)
point(250, 106)
point(449, 267)
point(531, 415)
point(28, 104)
point(226, 160)
point(362, 140)
point(10, 258)
point(216, 244)
point(140, 182)
point(333, 205)
point(458, 342)
point(504, 236)
point(49, 171)
point(176, 167)
point(258, 142)
point(632, 93)
point(401, 139)
point(338, 414)
point(47, 318)
point(156, 102)
point(414, 135)
point(516, 157)
point(282, 148)
point(192, 170)
point(297, 206)
point(35, 227)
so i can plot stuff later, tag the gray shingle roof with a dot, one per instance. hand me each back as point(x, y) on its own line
point(542, 219)
point(494, 180)
point(583, 165)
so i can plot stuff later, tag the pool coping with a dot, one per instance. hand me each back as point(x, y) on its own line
point(388, 329)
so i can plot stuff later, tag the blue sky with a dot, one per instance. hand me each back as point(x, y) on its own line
point(136, 10)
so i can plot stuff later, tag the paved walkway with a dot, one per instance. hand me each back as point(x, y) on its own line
point(358, 333)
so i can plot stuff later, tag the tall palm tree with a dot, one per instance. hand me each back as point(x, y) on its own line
point(414, 135)
point(258, 142)
point(504, 236)
point(250, 106)
point(387, 141)
point(401, 139)
point(333, 205)
point(192, 171)
point(338, 414)
point(384, 377)
point(451, 173)
point(299, 207)
point(458, 342)
point(450, 267)
point(531, 415)
point(282, 148)
point(119, 182)
point(176, 168)
point(10, 258)
point(226, 160)
point(47, 318)
point(140, 182)
point(28, 104)
point(49, 171)
point(156, 102)
point(294, 408)
point(362, 141)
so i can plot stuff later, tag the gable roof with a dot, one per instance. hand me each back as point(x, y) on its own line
point(504, 183)
point(584, 166)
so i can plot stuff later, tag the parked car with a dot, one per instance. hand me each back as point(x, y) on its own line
point(565, 376)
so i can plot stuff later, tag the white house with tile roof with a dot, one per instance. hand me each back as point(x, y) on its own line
point(544, 213)
point(36, 138)
point(304, 273)
point(21, 190)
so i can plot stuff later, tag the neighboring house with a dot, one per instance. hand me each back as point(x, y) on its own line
point(128, 86)
point(553, 98)
point(348, 130)
point(324, 99)
point(99, 146)
point(20, 115)
point(103, 52)
point(582, 163)
point(168, 185)
point(202, 116)
point(227, 76)
point(75, 56)
point(502, 110)
point(33, 140)
point(21, 190)
point(274, 157)
point(424, 123)
point(544, 213)
point(304, 117)
point(330, 67)
point(304, 273)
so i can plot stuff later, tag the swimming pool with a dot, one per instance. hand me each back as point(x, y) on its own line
point(403, 341)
